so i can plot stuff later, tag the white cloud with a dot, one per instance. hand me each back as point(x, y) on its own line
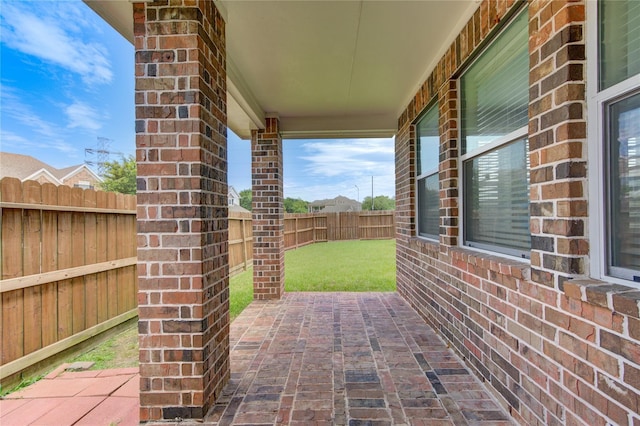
point(47, 135)
point(42, 35)
point(21, 113)
point(357, 157)
point(82, 115)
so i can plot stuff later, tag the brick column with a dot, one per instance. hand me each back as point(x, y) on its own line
point(182, 207)
point(268, 212)
point(448, 168)
point(557, 142)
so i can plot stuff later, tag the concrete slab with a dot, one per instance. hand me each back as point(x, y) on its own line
point(69, 413)
point(131, 389)
point(119, 371)
point(119, 411)
point(32, 410)
point(104, 386)
point(8, 405)
point(53, 388)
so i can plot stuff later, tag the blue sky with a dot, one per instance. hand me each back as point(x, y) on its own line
point(67, 79)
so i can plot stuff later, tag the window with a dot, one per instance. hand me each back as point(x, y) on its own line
point(428, 151)
point(623, 146)
point(494, 103)
point(614, 138)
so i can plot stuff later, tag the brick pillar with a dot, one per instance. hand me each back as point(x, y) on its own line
point(557, 141)
point(182, 208)
point(268, 212)
point(448, 169)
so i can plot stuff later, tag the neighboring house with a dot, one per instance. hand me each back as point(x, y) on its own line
point(234, 201)
point(25, 167)
point(234, 197)
point(335, 205)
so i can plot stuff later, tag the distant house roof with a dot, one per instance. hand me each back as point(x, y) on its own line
point(26, 167)
point(338, 204)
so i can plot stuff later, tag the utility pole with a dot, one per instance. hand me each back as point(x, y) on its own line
point(358, 198)
point(101, 153)
point(373, 206)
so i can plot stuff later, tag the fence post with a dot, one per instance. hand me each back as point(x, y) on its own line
point(244, 243)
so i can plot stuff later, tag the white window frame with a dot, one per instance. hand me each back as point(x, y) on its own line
point(425, 175)
point(596, 128)
point(516, 135)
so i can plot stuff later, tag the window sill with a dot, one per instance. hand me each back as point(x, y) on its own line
point(615, 297)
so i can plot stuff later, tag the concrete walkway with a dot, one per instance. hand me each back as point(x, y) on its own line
point(308, 359)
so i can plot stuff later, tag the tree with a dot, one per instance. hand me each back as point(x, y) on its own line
point(380, 202)
point(295, 205)
point(245, 198)
point(120, 176)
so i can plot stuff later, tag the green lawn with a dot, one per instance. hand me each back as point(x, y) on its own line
point(336, 266)
point(368, 265)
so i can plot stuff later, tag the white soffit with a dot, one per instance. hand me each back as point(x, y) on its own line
point(326, 68)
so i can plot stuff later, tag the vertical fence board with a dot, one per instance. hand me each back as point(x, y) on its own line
point(11, 191)
point(12, 325)
point(101, 247)
point(112, 276)
point(31, 238)
point(12, 307)
point(90, 257)
point(121, 235)
point(49, 263)
point(65, 287)
point(77, 253)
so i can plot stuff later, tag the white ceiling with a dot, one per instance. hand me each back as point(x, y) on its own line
point(326, 68)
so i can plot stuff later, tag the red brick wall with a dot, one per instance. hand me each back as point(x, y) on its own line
point(182, 207)
point(554, 346)
point(268, 212)
point(82, 175)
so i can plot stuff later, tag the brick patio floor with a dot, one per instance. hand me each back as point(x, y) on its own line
point(346, 359)
point(308, 359)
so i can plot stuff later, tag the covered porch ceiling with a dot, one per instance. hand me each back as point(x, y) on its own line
point(327, 69)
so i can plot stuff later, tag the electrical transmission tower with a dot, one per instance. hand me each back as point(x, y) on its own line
point(100, 154)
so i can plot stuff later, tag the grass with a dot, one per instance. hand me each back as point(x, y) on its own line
point(23, 384)
point(240, 292)
point(334, 266)
point(342, 266)
point(119, 351)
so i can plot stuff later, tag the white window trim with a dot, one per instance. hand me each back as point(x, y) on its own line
point(596, 101)
point(517, 134)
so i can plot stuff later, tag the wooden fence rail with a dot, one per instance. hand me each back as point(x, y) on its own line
point(301, 229)
point(68, 268)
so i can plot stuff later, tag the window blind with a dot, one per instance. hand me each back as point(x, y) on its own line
point(495, 89)
point(624, 163)
point(497, 199)
point(619, 34)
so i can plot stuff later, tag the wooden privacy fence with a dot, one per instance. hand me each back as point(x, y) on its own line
point(307, 228)
point(68, 264)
